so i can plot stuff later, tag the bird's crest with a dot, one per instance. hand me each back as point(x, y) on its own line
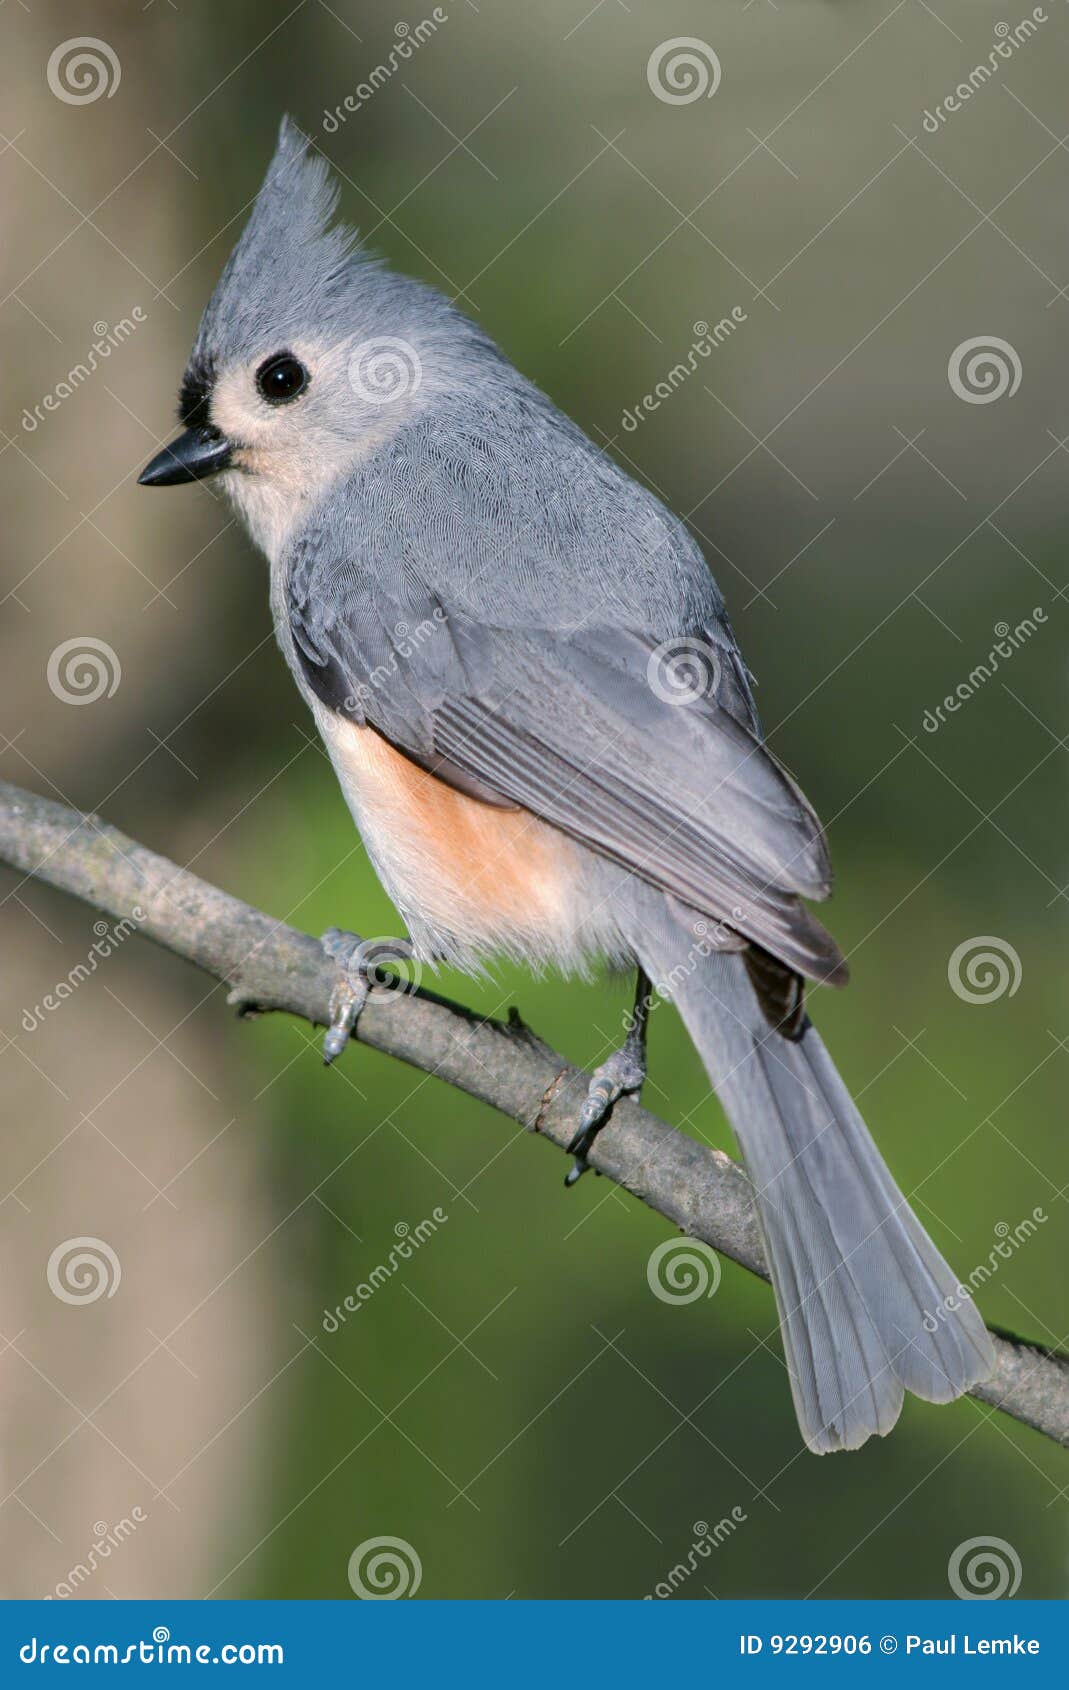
point(290, 267)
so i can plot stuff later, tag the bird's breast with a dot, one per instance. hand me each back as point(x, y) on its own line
point(485, 878)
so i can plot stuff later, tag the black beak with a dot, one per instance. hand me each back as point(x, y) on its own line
point(196, 453)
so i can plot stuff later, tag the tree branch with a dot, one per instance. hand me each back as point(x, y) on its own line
point(268, 965)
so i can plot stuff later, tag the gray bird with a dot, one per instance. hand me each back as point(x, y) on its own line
point(529, 688)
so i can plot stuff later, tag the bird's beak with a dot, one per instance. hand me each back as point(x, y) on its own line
point(196, 453)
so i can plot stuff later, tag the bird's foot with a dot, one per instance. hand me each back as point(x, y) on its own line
point(624, 1072)
point(358, 963)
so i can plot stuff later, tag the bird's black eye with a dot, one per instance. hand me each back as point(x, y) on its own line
point(281, 378)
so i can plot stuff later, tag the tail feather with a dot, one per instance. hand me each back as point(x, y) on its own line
point(842, 1385)
point(937, 1365)
point(868, 1306)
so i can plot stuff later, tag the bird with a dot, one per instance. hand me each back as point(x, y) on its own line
point(527, 682)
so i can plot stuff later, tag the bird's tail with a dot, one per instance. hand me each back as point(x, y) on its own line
point(867, 1305)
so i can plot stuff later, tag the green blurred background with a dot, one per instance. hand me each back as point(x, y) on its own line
point(516, 1405)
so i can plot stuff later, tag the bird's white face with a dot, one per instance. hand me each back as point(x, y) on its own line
point(283, 424)
point(295, 427)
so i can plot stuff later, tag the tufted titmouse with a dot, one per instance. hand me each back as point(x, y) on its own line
point(529, 688)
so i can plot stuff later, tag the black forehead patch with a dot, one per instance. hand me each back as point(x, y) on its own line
point(195, 394)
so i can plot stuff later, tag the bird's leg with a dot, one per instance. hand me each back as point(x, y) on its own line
point(624, 1071)
point(358, 962)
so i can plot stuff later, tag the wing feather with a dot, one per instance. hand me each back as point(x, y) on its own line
point(567, 725)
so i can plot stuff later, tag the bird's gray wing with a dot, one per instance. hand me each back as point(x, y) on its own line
point(592, 732)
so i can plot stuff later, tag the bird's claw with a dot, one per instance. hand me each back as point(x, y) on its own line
point(622, 1074)
point(356, 958)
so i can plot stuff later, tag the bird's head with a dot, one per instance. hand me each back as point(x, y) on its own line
point(308, 356)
